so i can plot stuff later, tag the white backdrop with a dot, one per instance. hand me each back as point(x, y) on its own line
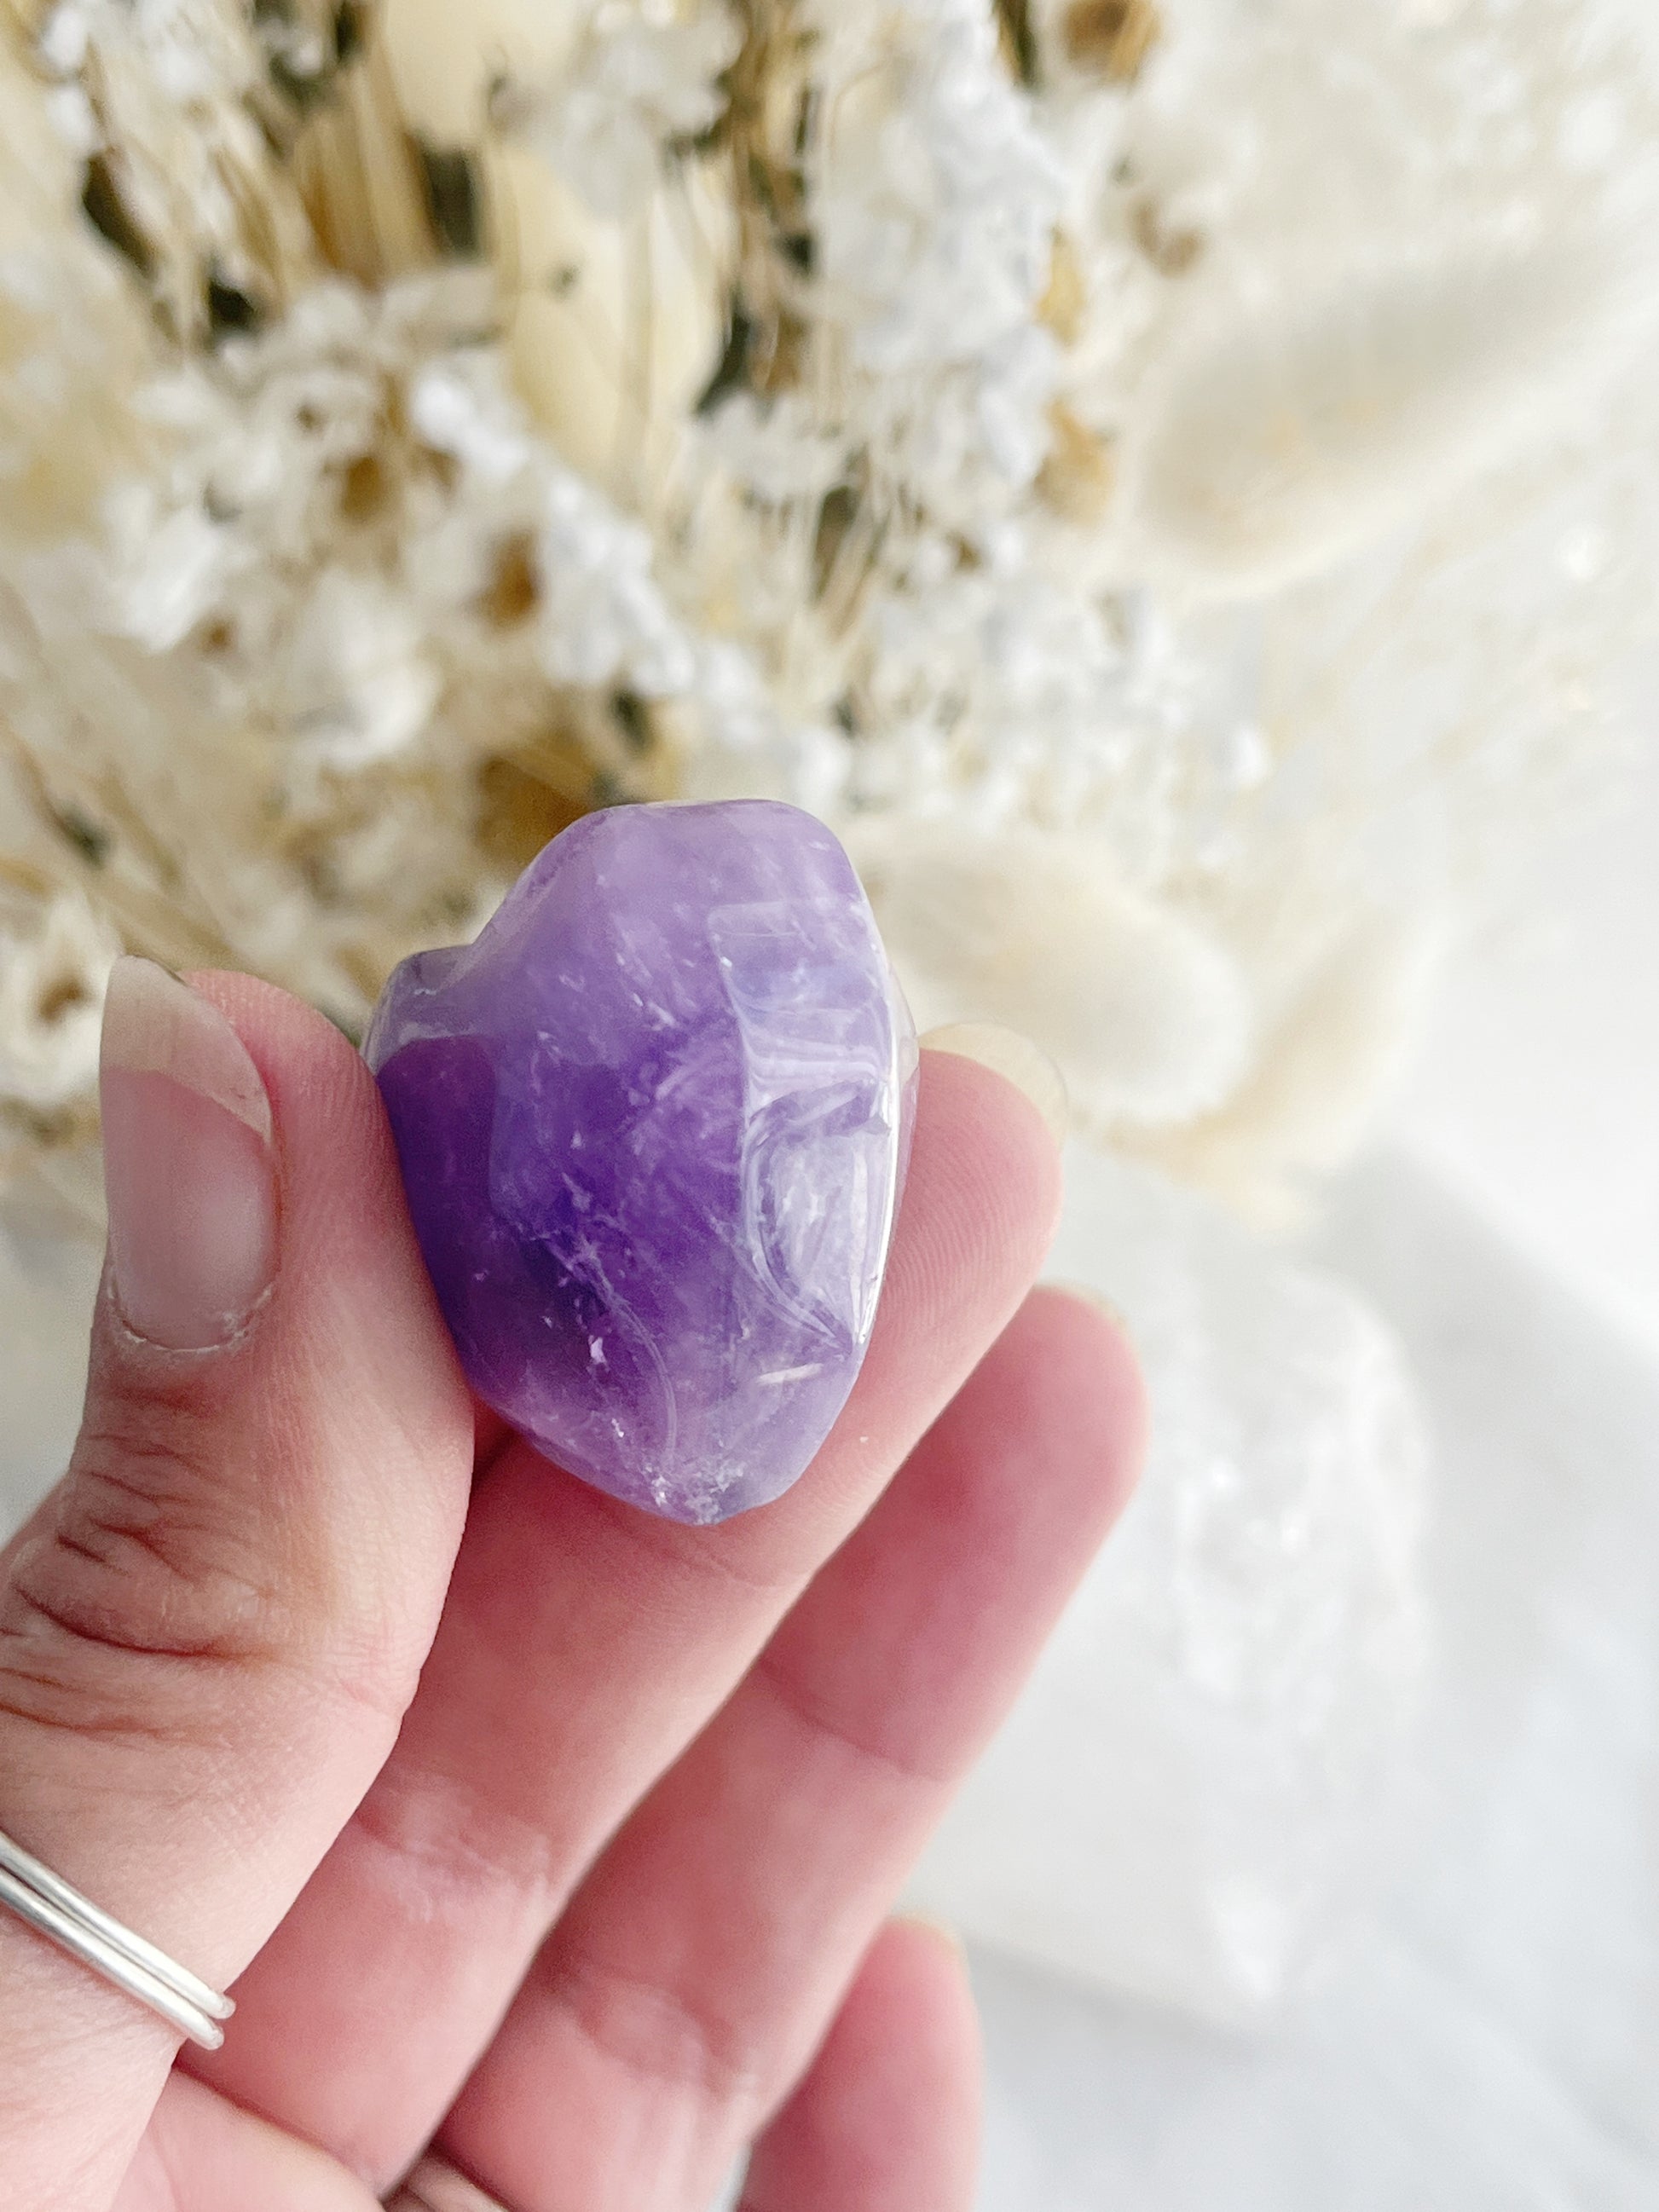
point(1537, 1090)
point(1489, 2039)
point(1489, 2042)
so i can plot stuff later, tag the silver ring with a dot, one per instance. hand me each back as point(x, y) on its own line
point(435, 2187)
point(76, 1925)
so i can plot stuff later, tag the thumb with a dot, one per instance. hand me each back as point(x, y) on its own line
point(211, 1630)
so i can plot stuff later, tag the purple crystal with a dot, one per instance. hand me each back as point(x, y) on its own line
point(652, 1126)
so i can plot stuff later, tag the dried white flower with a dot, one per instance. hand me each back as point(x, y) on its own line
point(637, 86)
point(602, 618)
point(937, 198)
point(166, 103)
point(358, 685)
point(52, 1004)
point(774, 449)
point(171, 564)
point(914, 409)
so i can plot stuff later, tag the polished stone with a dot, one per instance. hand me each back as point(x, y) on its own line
point(652, 1126)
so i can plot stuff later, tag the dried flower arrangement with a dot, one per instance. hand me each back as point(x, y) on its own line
point(1161, 479)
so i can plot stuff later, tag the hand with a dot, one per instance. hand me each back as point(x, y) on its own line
point(530, 1829)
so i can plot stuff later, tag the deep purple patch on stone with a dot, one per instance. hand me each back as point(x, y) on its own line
point(652, 1126)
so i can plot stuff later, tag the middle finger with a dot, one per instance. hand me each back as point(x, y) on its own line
point(583, 1645)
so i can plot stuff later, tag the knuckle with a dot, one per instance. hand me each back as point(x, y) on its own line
point(658, 2037)
point(149, 1571)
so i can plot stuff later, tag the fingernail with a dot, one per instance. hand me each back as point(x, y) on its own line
point(1014, 1058)
point(189, 1169)
point(435, 2187)
point(940, 1932)
point(1087, 1296)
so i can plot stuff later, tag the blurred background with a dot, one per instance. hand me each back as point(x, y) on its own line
point(1175, 483)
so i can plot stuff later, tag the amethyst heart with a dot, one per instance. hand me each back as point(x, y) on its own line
point(653, 1128)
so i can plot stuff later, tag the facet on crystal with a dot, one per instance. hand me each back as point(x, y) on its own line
point(652, 1126)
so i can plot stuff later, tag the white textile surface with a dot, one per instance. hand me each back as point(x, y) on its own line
point(1489, 2041)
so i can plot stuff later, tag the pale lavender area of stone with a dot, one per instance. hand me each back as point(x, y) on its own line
point(653, 1128)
